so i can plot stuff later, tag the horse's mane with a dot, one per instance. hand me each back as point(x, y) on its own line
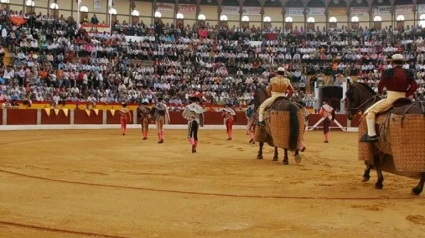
point(368, 88)
point(365, 86)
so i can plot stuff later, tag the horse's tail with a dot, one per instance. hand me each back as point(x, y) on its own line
point(293, 126)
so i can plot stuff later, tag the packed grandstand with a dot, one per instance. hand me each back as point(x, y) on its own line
point(58, 61)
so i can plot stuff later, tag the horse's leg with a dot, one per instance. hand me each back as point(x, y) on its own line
point(420, 187)
point(366, 175)
point(285, 157)
point(297, 157)
point(260, 150)
point(378, 165)
point(276, 154)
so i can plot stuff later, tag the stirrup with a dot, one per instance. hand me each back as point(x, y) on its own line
point(367, 138)
point(261, 123)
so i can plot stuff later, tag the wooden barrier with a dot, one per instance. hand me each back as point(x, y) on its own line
point(52, 119)
point(103, 117)
point(21, 117)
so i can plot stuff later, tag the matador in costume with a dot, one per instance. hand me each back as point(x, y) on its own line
point(161, 117)
point(143, 112)
point(194, 114)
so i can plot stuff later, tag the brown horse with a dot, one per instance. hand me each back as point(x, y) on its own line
point(259, 97)
point(359, 98)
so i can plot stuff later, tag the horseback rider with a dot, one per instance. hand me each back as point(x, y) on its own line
point(279, 86)
point(400, 83)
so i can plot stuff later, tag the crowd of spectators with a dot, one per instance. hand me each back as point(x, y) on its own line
point(58, 61)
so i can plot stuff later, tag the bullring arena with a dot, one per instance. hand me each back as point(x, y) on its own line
point(68, 172)
point(82, 183)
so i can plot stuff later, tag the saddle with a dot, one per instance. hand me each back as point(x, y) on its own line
point(401, 107)
point(280, 103)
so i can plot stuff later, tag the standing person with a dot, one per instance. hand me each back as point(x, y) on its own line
point(400, 83)
point(228, 115)
point(194, 114)
point(251, 117)
point(125, 117)
point(161, 117)
point(143, 112)
point(328, 113)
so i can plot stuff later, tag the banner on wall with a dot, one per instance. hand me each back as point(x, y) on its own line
point(359, 11)
point(165, 7)
point(187, 8)
point(315, 11)
point(97, 5)
point(337, 12)
point(381, 10)
point(404, 9)
point(230, 10)
point(253, 11)
point(294, 11)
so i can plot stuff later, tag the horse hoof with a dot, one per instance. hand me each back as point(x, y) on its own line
point(379, 186)
point(275, 158)
point(365, 179)
point(298, 159)
point(259, 157)
point(285, 162)
point(417, 191)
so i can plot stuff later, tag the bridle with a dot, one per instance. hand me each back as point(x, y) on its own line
point(355, 110)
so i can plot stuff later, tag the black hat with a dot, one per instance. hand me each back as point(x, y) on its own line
point(124, 105)
point(160, 99)
point(229, 105)
point(194, 99)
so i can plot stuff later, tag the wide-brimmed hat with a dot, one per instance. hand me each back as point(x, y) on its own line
point(281, 69)
point(145, 102)
point(396, 57)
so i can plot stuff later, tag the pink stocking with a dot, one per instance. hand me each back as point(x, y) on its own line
point(192, 141)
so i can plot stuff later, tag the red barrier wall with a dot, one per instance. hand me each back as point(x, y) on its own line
point(29, 117)
point(1, 116)
point(21, 117)
point(54, 119)
point(114, 119)
point(355, 122)
point(81, 117)
point(177, 119)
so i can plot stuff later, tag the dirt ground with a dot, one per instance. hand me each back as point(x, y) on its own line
point(76, 183)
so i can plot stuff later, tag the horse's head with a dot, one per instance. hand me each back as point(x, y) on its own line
point(260, 95)
point(358, 98)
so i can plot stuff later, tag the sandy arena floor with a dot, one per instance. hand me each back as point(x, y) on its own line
point(83, 183)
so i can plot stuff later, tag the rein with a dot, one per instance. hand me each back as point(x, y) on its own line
point(357, 109)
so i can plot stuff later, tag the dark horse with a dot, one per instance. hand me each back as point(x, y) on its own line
point(259, 97)
point(359, 98)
